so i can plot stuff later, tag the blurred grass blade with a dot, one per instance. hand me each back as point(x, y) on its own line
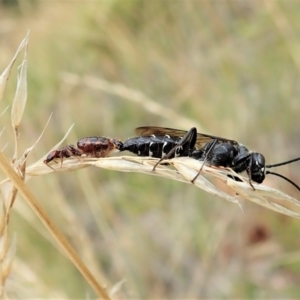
point(5, 75)
point(131, 95)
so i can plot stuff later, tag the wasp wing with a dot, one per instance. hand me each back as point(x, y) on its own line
point(159, 131)
point(202, 139)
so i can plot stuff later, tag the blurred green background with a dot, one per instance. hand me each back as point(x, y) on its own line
point(231, 68)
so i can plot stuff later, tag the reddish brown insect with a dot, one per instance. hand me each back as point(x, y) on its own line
point(64, 152)
point(94, 146)
point(98, 146)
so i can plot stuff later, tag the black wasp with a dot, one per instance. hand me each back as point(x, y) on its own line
point(216, 151)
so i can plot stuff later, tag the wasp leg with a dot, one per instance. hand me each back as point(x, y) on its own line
point(211, 148)
point(190, 137)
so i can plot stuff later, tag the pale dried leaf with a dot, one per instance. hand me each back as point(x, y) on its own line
point(265, 196)
point(4, 76)
point(71, 164)
point(185, 170)
point(262, 195)
point(8, 192)
point(201, 182)
point(133, 164)
point(137, 164)
point(3, 80)
point(19, 103)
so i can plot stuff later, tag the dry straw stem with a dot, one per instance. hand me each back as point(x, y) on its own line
point(8, 190)
point(19, 103)
point(15, 182)
point(33, 203)
point(184, 170)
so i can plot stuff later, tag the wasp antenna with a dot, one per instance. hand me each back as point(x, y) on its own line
point(283, 163)
point(283, 177)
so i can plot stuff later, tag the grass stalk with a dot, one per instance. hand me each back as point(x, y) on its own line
point(61, 240)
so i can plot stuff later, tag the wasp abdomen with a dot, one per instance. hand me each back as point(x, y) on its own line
point(153, 146)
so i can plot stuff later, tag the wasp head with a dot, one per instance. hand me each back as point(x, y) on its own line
point(257, 167)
